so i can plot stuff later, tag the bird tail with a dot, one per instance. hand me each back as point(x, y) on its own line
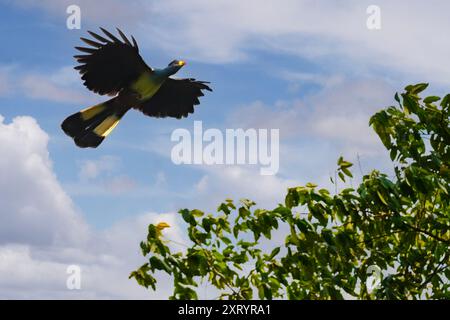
point(91, 126)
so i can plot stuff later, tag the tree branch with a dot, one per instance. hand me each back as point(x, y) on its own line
point(427, 233)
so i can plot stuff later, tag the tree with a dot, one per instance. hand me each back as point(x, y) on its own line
point(399, 227)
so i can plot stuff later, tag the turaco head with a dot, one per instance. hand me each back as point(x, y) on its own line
point(174, 66)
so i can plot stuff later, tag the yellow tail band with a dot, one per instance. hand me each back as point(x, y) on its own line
point(91, 112)
point(105, 128)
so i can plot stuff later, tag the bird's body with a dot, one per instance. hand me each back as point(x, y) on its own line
point(148, 84)
point(115, 68)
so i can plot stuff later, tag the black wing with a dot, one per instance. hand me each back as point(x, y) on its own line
point(176, 98)
point(110, 64)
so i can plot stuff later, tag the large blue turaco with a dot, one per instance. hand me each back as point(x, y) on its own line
point(114, 67)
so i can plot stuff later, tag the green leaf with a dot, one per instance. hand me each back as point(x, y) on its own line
point(380, 196)
point(152, 233)
point(410, 104)
point(397, 98)
point(188, 217)
point(291, 199)
point(261, 292)
point(445, 101)
point(311, 185)
point(274, 253)
point(224, 208)
point(206, 224)
point(328, 237)
point(145, 249)
point(159, 264)
point(347, 172)
point(431, 99)
point(197, 213)
point(415, 89)
point(346, 164)
point(226, 240)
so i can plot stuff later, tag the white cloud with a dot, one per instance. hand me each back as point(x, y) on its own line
point(65, 76)
point(412, 42)
point(62, 85)
point(38, 87)
point(338, 113)
point(237, 182)
point(225, 30)
point(119, 184)
point(298, 79)
point(341, 113)
point(314, 132)
point(91, 169)
point(41, 233)
point(283, 115)
point(101, 176)
point(41, 212)
point(112, 11)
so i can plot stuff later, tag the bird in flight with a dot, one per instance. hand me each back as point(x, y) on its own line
point(114, 67)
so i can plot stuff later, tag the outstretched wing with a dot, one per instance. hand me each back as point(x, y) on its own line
point(110, 65)
point(176, 98)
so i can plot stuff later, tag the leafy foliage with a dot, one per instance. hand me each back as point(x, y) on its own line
point(400, 225)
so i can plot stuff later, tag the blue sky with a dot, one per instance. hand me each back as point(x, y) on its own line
point(312, 70)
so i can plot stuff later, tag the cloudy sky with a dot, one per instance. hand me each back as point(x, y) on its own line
point(311, 69)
